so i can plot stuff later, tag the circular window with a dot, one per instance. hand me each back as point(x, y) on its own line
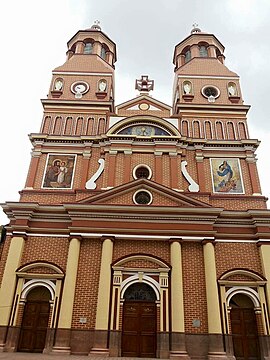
point(142, 171)
point(210, 92)
point(142, 197)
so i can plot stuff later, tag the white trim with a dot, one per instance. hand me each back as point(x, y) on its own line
point(208, 77)
point(135, 279)
point(80, 73)
point(120, 236)
point(38, 282)
point(251, 293)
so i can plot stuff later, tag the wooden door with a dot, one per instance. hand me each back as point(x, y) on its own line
point(244, 334)
point(139, 329)
point(34, 326)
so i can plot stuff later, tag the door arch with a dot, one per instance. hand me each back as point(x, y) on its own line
point(244, 328)
point(35, 320)
point(139, 326)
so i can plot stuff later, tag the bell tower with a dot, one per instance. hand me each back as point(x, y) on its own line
point(82, 87)
point(203, 84)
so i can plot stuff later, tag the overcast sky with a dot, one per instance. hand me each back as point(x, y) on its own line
point(34, 35)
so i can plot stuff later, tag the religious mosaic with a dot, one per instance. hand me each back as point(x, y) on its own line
point(226, 176)
point(59, 171)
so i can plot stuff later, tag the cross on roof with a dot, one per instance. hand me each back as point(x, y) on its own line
point(144, 84)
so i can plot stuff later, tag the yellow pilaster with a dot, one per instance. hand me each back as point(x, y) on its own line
point(102, 316)
point(66, 309)
point(9, 278)
point(265, 260)
point(178, 324)
point(213, 310)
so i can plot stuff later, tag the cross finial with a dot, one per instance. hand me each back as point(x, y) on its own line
point(144, 84)
point(96, 25)
point(195, 29)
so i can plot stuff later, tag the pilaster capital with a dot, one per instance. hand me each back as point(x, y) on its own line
point(104, 237)
point(87, 154)
point(77, 237)
point(207, 241)
point(36, 154)
point(178, 240)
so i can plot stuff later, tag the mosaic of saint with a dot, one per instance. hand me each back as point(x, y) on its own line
point(59, 171)
point(226, 176)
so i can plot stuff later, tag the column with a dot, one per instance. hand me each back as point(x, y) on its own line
point(127, 169)
point(158, 167)
point(112, 169)
point(254, 178)
point(85, 165)
point(175, 170)
point(216, 348)
point(265, 261)
point(33, 169)
point(200, 170)
point(178, 347)
point(103, 302)
point(62, 342)
point(9, 284)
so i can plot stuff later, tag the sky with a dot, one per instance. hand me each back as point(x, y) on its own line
point(34, 35)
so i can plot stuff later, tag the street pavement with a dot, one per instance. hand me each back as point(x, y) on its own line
point(31, 356)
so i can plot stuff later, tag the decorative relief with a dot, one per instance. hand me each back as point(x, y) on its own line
point(193, 187)
point(91, 183)
point(226, 176)
point(59, 171)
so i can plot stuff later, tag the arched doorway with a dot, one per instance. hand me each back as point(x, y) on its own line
point(35, 320)
point(244, 328)
point(139, 324)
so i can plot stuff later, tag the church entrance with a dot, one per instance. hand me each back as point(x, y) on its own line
point(244, 328)
point(139, 322)
point(35, 321)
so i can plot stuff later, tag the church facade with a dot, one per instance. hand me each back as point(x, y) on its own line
point(141, 230)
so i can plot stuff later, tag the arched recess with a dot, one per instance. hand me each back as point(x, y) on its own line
point(36, 314)
point(140, 283)
point(153, 126)
point(144, 269)
point(140, 316)
point(37, 275)
point(243, 282)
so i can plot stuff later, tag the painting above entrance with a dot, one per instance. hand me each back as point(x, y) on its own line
point(144, 130)
point(59, 171)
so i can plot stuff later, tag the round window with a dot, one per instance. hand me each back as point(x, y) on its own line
point(210, 92)
point(142, 171)
point(142, 197)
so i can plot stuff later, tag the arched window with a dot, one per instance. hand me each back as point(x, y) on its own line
point(103, 52)
point(187, 55)
point(203, 51)
point(88, 48)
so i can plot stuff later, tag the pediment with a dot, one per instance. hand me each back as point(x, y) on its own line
point(143, 104)
point(161, 196)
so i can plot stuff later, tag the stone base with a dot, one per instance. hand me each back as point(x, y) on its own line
point(99, 352)
point(217, 356)
point(59, 350)
point(179, 355)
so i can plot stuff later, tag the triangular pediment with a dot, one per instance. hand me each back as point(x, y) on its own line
point(143, 105)
point(160, 196)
